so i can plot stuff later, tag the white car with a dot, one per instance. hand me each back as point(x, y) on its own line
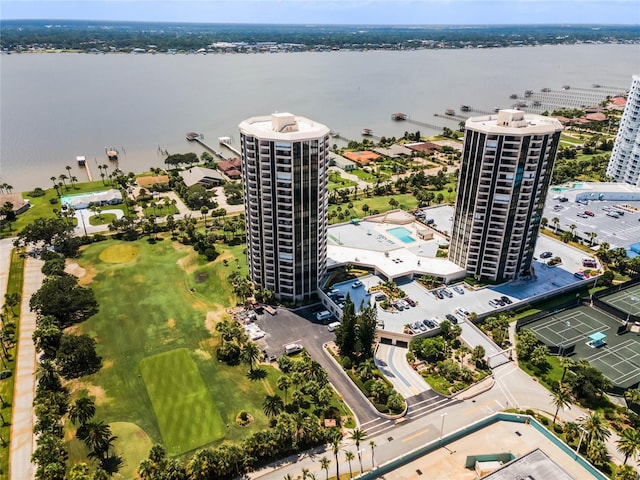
point(461, 312)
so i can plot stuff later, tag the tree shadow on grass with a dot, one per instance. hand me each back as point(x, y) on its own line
point(257, 374)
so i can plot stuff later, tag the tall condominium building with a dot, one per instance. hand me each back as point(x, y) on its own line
point(503, 181)
point(285, 162)
point(624, 165)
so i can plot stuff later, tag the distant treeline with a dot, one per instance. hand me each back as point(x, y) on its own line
point(16, 35)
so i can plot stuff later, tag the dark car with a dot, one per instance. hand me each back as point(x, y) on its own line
point(451, 318)
point(429, 323)
point(546, 255)
point(438, 294)
point(5, 374)
point(506, 300)
point(410, 301)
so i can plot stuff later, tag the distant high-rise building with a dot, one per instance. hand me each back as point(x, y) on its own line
point(285, 163)
point(624, 165)
point(503, 182)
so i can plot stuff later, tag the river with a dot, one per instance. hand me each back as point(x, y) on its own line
point(55, 107)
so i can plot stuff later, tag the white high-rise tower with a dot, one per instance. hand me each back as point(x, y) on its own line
point(285, 163)
point(624, 165)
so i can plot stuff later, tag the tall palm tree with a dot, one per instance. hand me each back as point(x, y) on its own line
point(324, 464)
point(596, 427)
point(555, 221)
point(63, 177)
point(373, 445)
point(335, 448)
point(95, 435)
point(592, 237)
point(629, 443)
point(284, 383)
point(348, 456)
point(272, 405)
point(82, 411)
point(597, 452)
point(250, 354)
point(357, 436)
point(566, 363)
point(560, 397)
point(573, 227)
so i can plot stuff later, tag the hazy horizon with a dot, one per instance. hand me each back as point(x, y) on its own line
point(333, 12)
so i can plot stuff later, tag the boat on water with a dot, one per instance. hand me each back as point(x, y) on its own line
point(450, 111)
point(367, 132)
point(465, 108)
point(82, 160)
point(112, 154)
point(398, 116)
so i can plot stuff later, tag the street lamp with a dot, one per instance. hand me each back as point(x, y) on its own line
point(634, 301)
point(442, 426)
point(564, 333)
point(582, 432)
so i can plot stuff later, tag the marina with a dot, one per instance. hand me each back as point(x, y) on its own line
point(199, 138)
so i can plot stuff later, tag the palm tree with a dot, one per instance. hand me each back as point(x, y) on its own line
point(82, 411)
point(555, 221)
point(95, 435)
point(632, 395)
point(55, 185)
point(373, 445)
point(597, 452)
point(284, 383)
point(596, 428)
point(626, 472)
point(63, 177)
point(272, 405)
point(629, 443)
point(561, 397)
point(357, 436)
point(592, 237)
point(348, 456)
point(324, 464)
point(250, 354)
point(573, 227)
point(335, 448)
point(566, 363)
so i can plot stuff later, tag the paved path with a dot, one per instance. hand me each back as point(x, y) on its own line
point(6, 245)
point(22, 439)
point(392, 362)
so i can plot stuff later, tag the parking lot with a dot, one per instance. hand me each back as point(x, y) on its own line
point(618, 232)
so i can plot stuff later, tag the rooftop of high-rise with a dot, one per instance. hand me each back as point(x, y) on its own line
point(511, 121)
point(285, 126)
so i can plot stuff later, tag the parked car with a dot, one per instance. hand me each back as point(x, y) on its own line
point(429, 323)
point(493, 303)
point(590, 213)
point(613, 214)
point(546, 255)
point(398, 305)
point(356, 284)
point(437, 294)
point(583, 215)
point(462, 312)
point(404, 304)
point(506, 300)
point(451, 318)
point(410, 301)
point(447, 293)
point(380, 297)
point(580, 275)
point(589, 263)
point(458, 289)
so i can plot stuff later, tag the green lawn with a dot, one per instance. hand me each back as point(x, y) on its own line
point(176, 388)
point(406, 202)
point(14, 285)
point(367, 176)
point(336, 181)
point(103, 219)
point(154, 299)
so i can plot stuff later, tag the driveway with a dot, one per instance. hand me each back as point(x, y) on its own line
point(392, 362)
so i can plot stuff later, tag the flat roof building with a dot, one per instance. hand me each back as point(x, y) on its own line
point(285, 162)
point(624, 165)
point(504, 177)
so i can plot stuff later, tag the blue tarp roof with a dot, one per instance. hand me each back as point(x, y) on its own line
point(596, 337)
point(635, 247)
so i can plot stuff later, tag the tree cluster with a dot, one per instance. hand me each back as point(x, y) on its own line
point(356, 334)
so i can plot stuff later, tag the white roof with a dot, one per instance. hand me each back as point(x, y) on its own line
point(520, 123)
point(270, 127)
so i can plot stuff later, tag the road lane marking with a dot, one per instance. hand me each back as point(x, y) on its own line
point(479, 407)
point(415, 435)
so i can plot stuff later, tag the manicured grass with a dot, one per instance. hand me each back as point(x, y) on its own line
point(367, 176)
point(103, 219)
point(136, 445)
point(161, 210)
point(176, 388)
point(405, 202)
point(156, 298)
point(336, 181)
point(14, 285)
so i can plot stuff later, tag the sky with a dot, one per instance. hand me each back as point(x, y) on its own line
point(389, 12)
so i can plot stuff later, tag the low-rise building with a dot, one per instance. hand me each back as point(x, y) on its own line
point(202, 176)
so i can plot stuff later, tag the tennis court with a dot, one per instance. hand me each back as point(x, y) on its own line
point(627, 300)
point(570, 330)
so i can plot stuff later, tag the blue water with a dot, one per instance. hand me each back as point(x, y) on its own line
point(402, 234)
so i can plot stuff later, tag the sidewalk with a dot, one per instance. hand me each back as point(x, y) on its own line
point(22, 438)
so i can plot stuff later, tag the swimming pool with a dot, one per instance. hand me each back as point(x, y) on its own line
point(402, 234)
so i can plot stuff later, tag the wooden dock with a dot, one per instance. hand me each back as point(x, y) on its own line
point(226, 142)
point(455, 118)
point(86, 167)
point(437, 128)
